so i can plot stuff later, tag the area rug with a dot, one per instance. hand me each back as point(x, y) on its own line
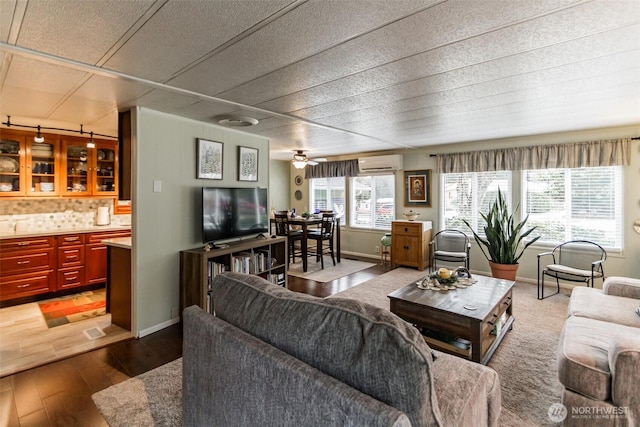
point(525, 362)
point(150, 399)
point(330, 272)
point(73, 308)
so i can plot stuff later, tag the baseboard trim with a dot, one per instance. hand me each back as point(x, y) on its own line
point(158, 327)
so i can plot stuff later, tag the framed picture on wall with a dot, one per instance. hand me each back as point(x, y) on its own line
point(247, 164)
point(209, 159)
point(417, 188)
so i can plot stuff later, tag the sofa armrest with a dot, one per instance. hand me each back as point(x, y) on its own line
point(622, 287)
point(624, 364)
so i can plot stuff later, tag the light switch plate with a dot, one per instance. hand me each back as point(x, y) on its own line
point(157, 186)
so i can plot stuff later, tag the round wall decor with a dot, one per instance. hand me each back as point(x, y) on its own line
point(298, 180)
point(298, 195)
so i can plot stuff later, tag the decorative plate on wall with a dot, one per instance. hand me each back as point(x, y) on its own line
point(298, 195)
point(298, 180)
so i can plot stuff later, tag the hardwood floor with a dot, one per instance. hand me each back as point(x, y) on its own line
point(59, 394)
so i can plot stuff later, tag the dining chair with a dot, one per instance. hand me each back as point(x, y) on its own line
point(324, 238)
point(284, 229)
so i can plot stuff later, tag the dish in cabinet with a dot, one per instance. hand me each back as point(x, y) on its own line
point(7, 164)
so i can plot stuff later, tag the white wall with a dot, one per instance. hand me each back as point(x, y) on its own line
point(164, 223)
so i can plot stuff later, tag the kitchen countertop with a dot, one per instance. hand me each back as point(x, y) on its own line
point(59, 231)
point(118, 242)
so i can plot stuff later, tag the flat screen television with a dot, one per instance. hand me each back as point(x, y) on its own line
point(233, 212)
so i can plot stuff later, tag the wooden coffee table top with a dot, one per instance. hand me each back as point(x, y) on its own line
point(483, 295)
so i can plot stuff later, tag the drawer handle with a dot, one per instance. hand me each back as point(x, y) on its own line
point(406, 229)
point(71, 239)
point(24, 286)
point(24, 243)
point(23, 262)
point(68, 279)
point(71, 256)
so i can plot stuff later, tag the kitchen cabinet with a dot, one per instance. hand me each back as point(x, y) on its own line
point(96, 255)
point(59, 166)
point(28, 267)
point(12, 170)
point(410, 243)
point(41, 166)
point(71, 256)
point(89, 171)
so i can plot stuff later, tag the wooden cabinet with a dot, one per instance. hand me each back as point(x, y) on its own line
point(59, 166)
point(48, 264)
point(89, 171)
point(28, 267)
point(265, 258)
point(12, 164)
point(96, 255)
point(410, 243)
point(70, 261)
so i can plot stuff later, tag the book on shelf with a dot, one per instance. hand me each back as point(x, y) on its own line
point(213, 269)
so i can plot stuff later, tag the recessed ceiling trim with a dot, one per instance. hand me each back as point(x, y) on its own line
point(80, 66)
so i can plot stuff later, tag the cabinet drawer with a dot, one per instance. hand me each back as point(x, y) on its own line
point(99, 237)
point(12, 245)
point(26, 262)
point(26, 285)
point(70, 277)
point(70, 240)
point(70, 256)
point(407, 229)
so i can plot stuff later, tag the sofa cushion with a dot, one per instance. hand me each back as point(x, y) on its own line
point(595, 304)
point(366, 347)
point(622, 287)
point(583, 355)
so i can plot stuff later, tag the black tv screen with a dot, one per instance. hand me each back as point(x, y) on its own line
point(233, 212)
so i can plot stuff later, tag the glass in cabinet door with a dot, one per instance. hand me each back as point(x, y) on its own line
point(76, 164)
point(106, 170)
point(11, 176)
point(42, 164)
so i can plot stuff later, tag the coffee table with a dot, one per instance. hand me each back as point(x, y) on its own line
point(469, 322)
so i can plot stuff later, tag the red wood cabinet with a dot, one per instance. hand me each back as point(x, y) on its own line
point(96, 252)
point(27, 267)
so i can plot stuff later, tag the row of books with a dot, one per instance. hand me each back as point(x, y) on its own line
point(252, 262)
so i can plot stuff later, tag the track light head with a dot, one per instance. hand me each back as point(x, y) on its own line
point(38, 138)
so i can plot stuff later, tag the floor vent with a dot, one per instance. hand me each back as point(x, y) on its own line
point(93, 333)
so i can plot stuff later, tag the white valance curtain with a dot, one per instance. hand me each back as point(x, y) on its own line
point(611, 152)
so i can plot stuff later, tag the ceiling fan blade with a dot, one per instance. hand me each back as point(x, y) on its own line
point(312, 162)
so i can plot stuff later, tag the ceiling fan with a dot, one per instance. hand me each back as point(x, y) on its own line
point(300, 160)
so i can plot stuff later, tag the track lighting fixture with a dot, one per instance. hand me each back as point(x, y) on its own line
point(38, 138)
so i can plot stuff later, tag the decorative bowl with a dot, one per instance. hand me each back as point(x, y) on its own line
point(411, 215)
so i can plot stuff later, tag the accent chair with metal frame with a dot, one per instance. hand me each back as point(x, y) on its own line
point(574, 261)
point(450, 246)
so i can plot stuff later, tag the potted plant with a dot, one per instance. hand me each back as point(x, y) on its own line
point(502, 240)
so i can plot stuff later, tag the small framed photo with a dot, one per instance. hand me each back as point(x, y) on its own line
point(247, 164)
point(209, 159)
point(417, 188)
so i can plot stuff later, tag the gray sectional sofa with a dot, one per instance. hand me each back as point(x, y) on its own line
point(599, 355)
point(275, 357)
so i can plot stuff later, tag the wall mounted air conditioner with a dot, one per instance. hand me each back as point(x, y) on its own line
point(392, 162)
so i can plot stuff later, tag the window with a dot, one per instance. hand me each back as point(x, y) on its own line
point(464, 195)
point(575, 204)
point(373, 201)
point(328, 194)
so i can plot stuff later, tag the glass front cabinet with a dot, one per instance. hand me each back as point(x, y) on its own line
point(59, 166)
point(12, 171)
point(41, 167)
point(89, 170)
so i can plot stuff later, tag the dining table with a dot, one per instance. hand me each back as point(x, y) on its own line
point(305, 223)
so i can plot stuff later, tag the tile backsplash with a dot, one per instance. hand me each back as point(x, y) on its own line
point(56, 214)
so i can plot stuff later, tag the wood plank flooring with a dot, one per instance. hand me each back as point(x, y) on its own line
point(59, 393)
